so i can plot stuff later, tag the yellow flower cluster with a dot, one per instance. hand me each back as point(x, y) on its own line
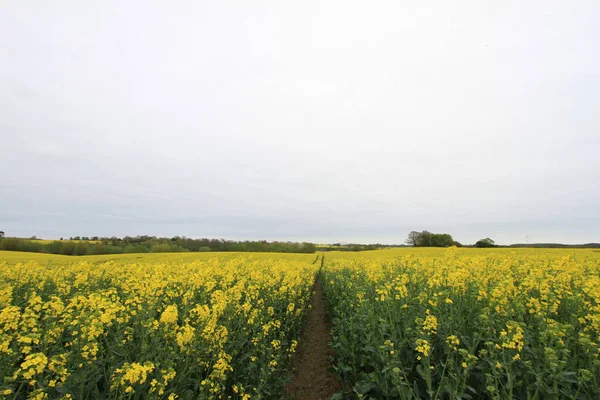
point(422, 347)
point(512, 337)
point(430, 324)
point(132, 374)
point(170, 315)
point(34, 364)
point(453, 341)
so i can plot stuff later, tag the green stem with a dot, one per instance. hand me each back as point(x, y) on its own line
point(437, 393)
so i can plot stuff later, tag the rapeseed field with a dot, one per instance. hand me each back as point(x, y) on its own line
point(183, 328)
point(407, 323)
point(464, 323)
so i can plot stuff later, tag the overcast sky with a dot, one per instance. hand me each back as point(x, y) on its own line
point(308, 120)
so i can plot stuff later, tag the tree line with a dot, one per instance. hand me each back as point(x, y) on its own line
point(150, 244)
point(428, 239)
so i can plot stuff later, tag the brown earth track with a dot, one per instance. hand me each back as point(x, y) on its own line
point(311, 379)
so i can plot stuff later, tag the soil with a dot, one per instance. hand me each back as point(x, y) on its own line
point(311, 378)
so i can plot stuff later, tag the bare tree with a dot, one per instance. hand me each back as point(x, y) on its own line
point(413, 238)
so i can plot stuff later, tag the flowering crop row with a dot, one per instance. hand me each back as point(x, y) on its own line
point(503, 325)
point(214, 329)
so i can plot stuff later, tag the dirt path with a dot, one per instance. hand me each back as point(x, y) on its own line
point(311, 379)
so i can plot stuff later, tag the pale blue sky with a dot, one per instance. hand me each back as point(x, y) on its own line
point(323, 121)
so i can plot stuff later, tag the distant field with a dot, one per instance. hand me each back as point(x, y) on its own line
point(394, 253)
point(14, 257)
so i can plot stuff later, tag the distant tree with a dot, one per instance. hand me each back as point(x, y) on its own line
point(98, 248)
point(54, 247)
point(414, 238)
point(487, 242)
point(442, 240)
point(67, 248)
point(80, 249)
point(428, 239)
point(33, 237)
point(307, 247)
